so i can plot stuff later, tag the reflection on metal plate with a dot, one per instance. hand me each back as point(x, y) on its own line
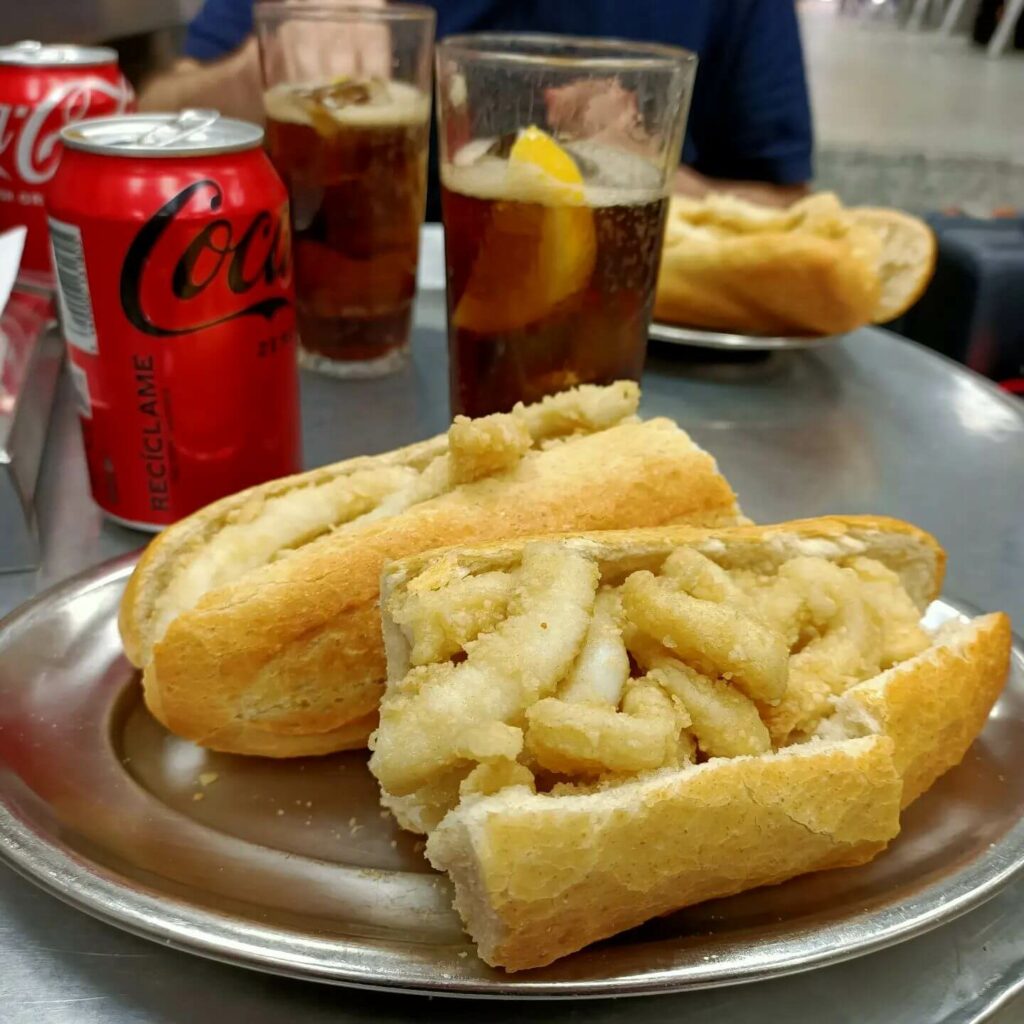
point(697, 338)
point(290, 866)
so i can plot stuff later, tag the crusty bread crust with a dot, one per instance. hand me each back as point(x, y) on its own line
point(766, 284)
point(167, 549)
point(909, 252)
point(289, 660)
point(539, 876)
point(934, 712)
point(815, 268)
point(732, 265)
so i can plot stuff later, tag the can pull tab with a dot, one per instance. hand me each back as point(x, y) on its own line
point(187, 123)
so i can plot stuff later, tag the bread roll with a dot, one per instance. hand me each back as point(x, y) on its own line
point(256, 620)
point(907, 262)
point(568, 803)
point(814, 268)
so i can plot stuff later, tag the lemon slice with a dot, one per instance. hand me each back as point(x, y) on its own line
point(540, 246)
point(540, 168)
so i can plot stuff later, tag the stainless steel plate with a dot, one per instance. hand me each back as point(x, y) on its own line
point(289, 867)
point(698, 338)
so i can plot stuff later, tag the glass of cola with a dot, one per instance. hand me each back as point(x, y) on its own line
point(557, 157)
point(347, 101)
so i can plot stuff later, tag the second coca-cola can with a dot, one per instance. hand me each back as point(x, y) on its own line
point(44, 88)
point(171, 240)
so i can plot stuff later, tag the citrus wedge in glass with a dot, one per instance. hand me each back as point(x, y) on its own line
point(540, 246)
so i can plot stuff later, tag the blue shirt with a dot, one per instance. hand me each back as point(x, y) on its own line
point(749, 117)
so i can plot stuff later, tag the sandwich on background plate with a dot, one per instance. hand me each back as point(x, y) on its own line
point(813, 268)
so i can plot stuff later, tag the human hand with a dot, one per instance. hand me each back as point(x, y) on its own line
point(316, 51)
point(230, 85)
point(594, 108)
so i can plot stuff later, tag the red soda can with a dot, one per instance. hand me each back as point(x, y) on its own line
point(42, 90)
point(174, 281)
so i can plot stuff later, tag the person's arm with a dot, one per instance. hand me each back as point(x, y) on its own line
point(221, 66)
point(231, 84)
point(751, 121)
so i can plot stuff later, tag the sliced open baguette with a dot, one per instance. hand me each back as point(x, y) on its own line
point(719, 782)
point(256, 620)
point(814, 268)
point(907, 261)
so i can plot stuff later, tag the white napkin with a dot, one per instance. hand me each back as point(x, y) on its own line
point(430, 273)
point(11, 244)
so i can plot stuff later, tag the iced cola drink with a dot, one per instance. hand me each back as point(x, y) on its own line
point(352, 154)
point(550, 279)
point(557, 158)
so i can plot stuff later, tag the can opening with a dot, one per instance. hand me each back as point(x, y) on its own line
point(32, 53)
point(188, 133)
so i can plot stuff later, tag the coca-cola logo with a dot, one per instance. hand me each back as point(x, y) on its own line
point(209, 273)
point(35, 146)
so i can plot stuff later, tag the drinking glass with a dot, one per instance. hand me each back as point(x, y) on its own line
point(347, 102)
point(557, 159)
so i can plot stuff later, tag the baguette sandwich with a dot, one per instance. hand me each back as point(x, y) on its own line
point(256, 620)
point(814, 268)
point(594, 730)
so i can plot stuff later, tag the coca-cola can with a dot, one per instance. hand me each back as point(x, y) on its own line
point(174, 280)
point(44, 88)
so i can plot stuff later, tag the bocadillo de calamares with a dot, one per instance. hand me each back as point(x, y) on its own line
point(594, 730)
point(256, 622)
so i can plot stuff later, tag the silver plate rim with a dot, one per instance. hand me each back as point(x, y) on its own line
point(697, 338)
point(174, 922)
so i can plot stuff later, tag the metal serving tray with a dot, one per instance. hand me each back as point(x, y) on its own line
point(697, 338)
point(290, 867)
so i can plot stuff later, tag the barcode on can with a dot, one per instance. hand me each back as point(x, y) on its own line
point(73, 286)
point(81, 385)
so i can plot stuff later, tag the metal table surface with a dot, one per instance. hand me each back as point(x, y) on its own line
point(872, 424)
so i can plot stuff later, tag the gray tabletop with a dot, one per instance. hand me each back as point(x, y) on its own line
point(872, 424)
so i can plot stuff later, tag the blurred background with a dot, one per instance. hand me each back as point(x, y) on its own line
point(911, 108)
point(917, 104)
